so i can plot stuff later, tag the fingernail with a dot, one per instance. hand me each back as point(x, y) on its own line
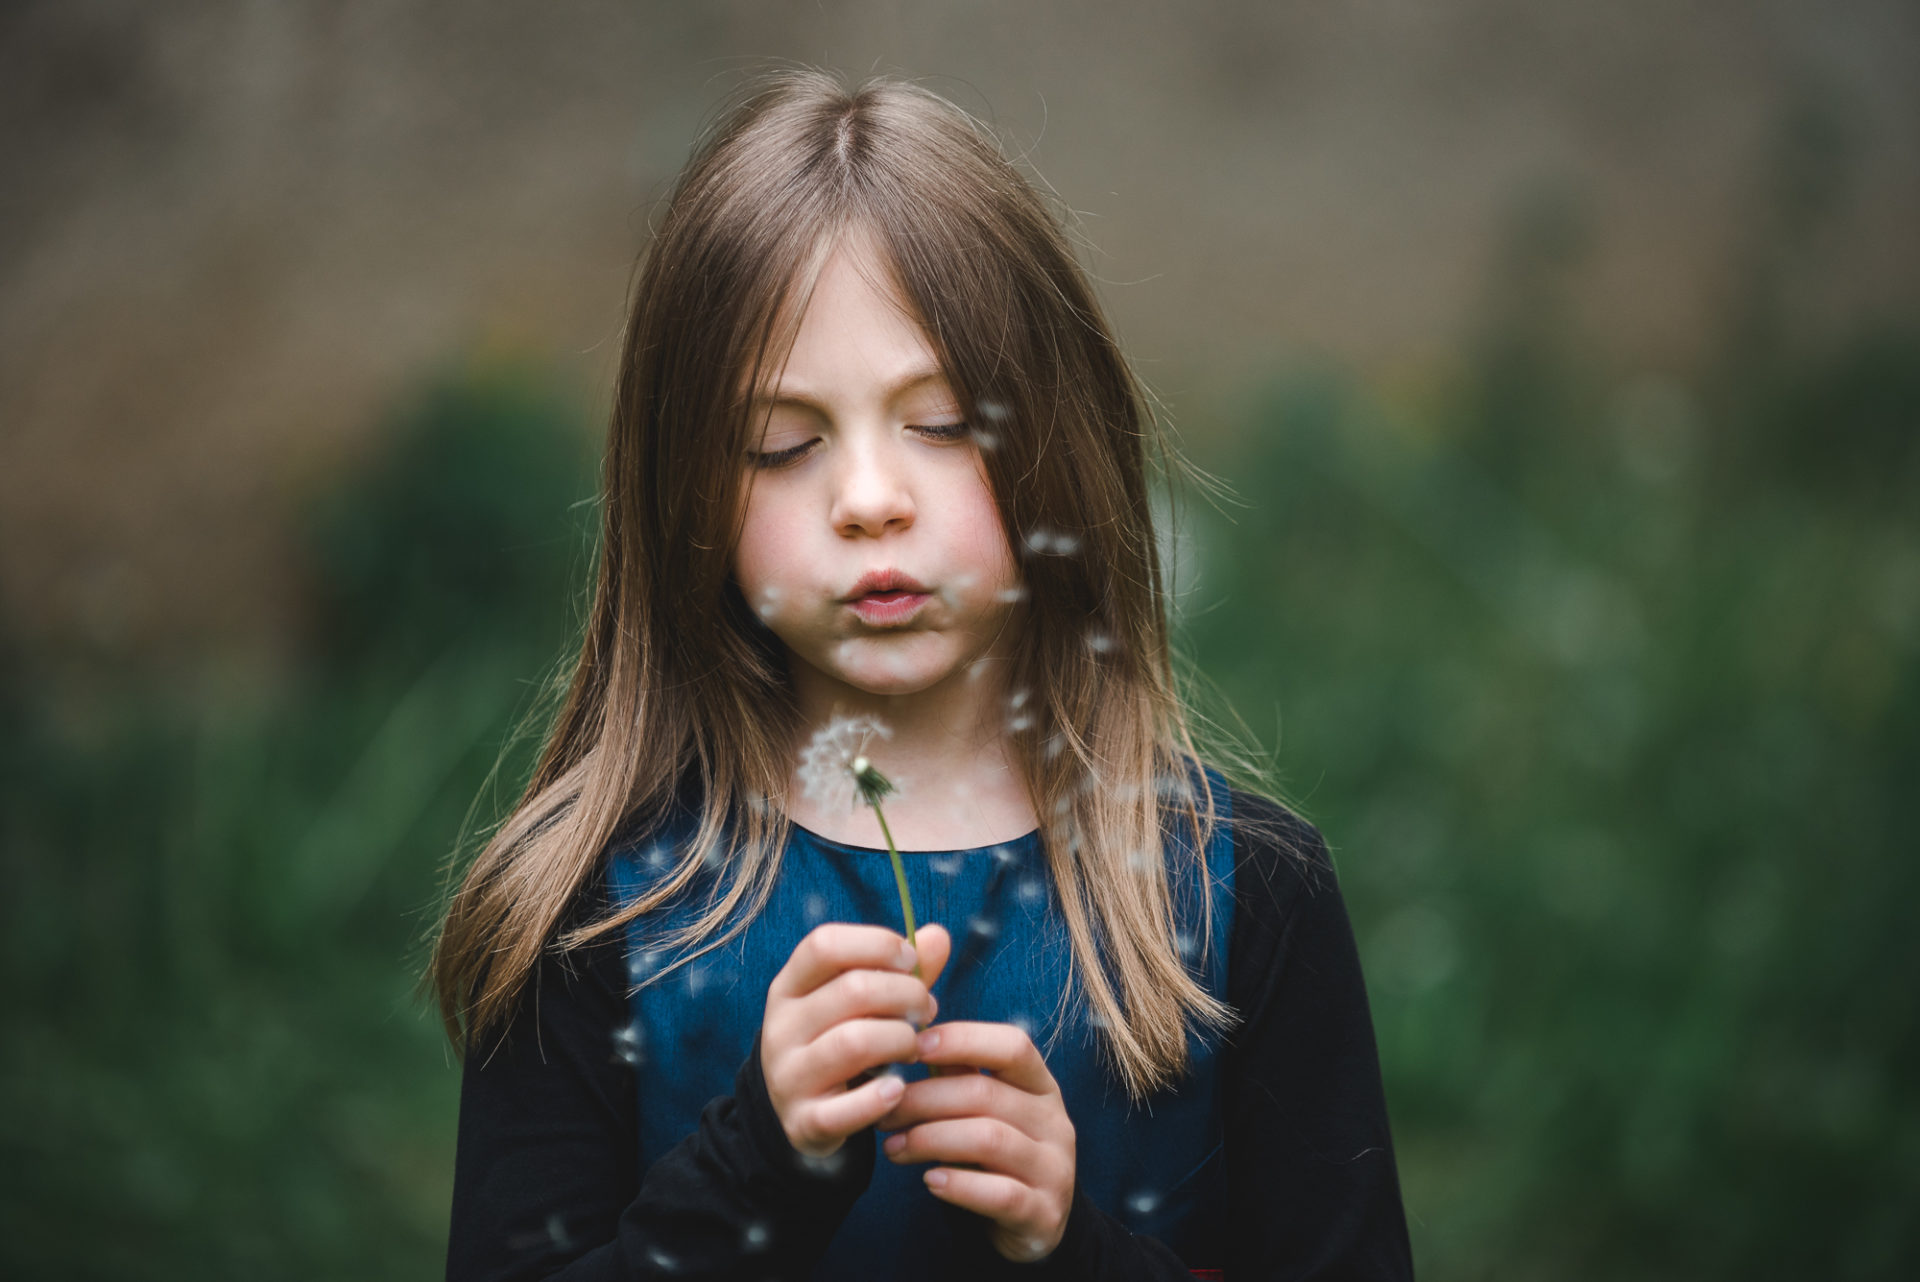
point(929, 1042)
point(891, 1088)
point(908, 958)
point(936, 1179)
point(895, 1143)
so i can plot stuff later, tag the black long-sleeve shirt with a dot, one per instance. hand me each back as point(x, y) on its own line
point(547, 1180)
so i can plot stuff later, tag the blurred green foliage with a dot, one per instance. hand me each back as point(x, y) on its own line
point(215, 1063)
point(1603, 691)
point(1607, 700)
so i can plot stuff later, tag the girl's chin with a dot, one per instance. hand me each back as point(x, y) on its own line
point(887, 670)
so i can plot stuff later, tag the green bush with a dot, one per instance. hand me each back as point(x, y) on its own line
point(1605, 698)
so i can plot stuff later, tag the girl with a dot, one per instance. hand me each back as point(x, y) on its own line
point(875, 458)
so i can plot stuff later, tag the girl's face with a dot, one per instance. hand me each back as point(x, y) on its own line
point(872, 546)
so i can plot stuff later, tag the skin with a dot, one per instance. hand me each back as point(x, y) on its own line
point(864, 464)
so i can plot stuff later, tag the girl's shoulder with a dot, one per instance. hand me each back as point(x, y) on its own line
point(1278, 846)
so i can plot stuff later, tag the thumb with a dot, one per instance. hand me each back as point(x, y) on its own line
point(935, 947)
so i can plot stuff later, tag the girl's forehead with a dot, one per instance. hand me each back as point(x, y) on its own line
point(848, 299)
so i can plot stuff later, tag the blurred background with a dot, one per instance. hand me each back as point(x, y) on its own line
point(1564, 360)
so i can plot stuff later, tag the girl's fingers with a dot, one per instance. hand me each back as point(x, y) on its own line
point(935, 947)
point(843, 1052)
point(1003, 1199)
point(834, 947)
point(831, 1118)
point(851, 995)
point(986, 1142)
point(969, 1094)
point(1001, 1049)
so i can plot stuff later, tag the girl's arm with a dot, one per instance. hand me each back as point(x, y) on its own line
point(1312, 1188)
point(546, 1181)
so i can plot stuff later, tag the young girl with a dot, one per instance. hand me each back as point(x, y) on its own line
point(876, 484)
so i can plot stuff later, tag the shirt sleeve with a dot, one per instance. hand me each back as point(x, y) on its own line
point(1313, 1189)
point(1311, 1185)
point(546, 1175)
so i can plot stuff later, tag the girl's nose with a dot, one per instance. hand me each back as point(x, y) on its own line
point(871, 493)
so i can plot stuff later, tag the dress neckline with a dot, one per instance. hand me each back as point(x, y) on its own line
point(1025, 840)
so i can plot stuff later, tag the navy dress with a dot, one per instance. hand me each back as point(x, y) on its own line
point(1157, 1167)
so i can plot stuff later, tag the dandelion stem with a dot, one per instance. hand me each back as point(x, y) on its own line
point(900, 880)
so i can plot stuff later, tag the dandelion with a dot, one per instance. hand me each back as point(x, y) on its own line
point(835, 771)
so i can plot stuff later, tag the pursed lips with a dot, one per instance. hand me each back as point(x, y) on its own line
point(884, 597)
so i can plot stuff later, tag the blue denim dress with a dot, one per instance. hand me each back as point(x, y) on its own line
point(1158, 1168)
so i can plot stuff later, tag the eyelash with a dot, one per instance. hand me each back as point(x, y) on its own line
point(777, 459)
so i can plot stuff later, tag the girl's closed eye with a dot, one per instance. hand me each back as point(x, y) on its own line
point(944, 431)
point(770, 459)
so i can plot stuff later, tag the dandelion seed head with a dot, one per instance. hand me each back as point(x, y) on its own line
point(983, 927)
point(816, 909)
point(662, 1260)
point(987, 441)
point(1011, 594)
point(945, 865)
point(1023, 1023)
point(1018, 699)
point(757, 1236)
point(1020, 724)
point(827, 771)
point(1031, 890)
point(1006, 854)
point(1145, 1202)
point(1099, 642)
point(1055, 745)
point(994, 411)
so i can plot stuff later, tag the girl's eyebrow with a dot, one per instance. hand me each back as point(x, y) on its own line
point(910, 382)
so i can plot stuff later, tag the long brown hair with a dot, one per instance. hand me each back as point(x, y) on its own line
point(680, 692)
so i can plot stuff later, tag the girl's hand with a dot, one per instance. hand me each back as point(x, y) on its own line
point(840, 1007)
point(1010, 1121)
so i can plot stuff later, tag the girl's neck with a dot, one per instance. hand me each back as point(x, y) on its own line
point(950, 755)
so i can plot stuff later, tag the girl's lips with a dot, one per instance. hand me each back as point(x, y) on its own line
point(882, 609)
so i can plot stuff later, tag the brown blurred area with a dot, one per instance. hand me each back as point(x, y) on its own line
point(231, 235)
